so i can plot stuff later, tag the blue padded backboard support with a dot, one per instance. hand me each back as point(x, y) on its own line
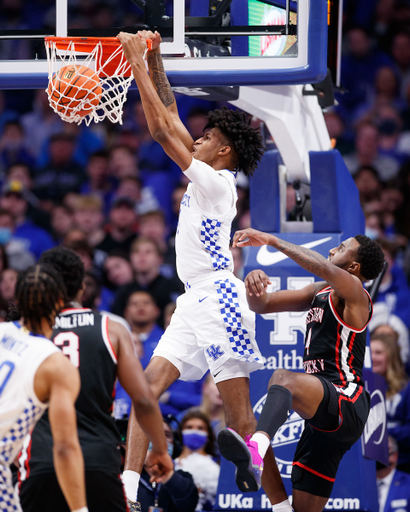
point(335, 198)
point(264, 193)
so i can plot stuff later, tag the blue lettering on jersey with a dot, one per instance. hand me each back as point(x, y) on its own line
point(215, 352)
point(6, 369)
point(185, 200)
point(12, 344)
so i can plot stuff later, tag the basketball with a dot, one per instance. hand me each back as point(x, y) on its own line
point(72, 87)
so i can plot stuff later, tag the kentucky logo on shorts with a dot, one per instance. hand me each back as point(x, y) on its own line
point(215, 352)
point(238, 335)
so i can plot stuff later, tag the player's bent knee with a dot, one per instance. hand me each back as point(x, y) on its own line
point(280, 377)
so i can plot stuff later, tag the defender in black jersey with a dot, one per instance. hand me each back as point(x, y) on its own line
point(102, 350)
point(330, 395)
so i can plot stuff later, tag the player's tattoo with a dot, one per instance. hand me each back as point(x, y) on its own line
point(310, 260)
point(160, 79)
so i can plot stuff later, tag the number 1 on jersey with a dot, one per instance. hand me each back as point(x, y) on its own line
point(308, 338)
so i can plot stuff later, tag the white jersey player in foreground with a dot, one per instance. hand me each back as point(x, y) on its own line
point(212, 327)
point(34, 375)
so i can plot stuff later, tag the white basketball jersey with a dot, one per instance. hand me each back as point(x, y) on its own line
point(205, 220)
point(20, 356)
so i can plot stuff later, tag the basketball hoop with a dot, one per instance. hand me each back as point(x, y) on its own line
point(104, 56)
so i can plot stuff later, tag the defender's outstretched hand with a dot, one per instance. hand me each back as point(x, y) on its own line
point(250, 237)
point(256, 282)
point(134, 45)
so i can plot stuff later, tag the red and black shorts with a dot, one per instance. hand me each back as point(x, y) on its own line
point(336, 426)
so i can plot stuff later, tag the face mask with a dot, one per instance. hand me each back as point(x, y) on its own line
point(5, 235)
point(371, 233)
point(170, 448)
point(194, 439)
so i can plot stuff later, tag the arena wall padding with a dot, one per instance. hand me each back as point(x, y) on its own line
point(264, 193)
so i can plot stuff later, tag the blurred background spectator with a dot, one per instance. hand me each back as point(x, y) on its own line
point(178, 491)
point(387, 363)
point(393, 485)
point(197, 457)
point(146, 260)
point(212, 405)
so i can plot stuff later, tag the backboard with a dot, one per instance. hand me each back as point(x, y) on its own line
point(225, 42)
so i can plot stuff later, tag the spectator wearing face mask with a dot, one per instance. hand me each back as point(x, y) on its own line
point(177, 491)
point(197, 457)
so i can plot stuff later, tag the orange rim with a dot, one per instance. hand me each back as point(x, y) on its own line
point(85, 44)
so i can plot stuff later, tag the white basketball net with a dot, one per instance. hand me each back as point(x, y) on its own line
point(114, 88)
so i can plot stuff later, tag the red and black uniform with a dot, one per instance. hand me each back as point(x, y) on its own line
point(334, 352)
point(82, 335)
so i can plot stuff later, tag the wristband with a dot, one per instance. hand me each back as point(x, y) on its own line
point(130, 480)
point(83, 509)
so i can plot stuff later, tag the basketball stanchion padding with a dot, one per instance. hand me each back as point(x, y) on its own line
point(88, 78)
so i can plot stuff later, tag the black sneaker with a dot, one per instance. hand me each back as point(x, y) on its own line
point(244, 454)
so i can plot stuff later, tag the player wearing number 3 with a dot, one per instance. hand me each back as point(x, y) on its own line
point(330, 395)
point(102, 350)
point(34, 376)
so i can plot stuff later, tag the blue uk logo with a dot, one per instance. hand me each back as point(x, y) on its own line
point(215, 352)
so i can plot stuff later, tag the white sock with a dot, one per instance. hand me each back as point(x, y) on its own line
point(263, 443)
point(131, 480)
point(285, 506)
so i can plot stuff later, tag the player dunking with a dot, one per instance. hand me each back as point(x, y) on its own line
point(34, 376)
point(102, 350)
point(212, 326)
point(330, 396)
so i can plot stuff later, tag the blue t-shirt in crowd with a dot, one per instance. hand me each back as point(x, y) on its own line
point(35, 239)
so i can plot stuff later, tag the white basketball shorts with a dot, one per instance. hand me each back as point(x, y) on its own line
point(212, 328)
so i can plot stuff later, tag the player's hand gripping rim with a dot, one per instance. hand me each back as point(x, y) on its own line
point(134, 45)
point(153, 39)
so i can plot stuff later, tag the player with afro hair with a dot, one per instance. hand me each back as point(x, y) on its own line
point(245, 140)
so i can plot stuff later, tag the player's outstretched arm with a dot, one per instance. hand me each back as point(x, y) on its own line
point(58, 381)
point(163, 87)
point(347, 286)
point(262, 302)
point(145, 406)
point(161, 122)
point(156, 71)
